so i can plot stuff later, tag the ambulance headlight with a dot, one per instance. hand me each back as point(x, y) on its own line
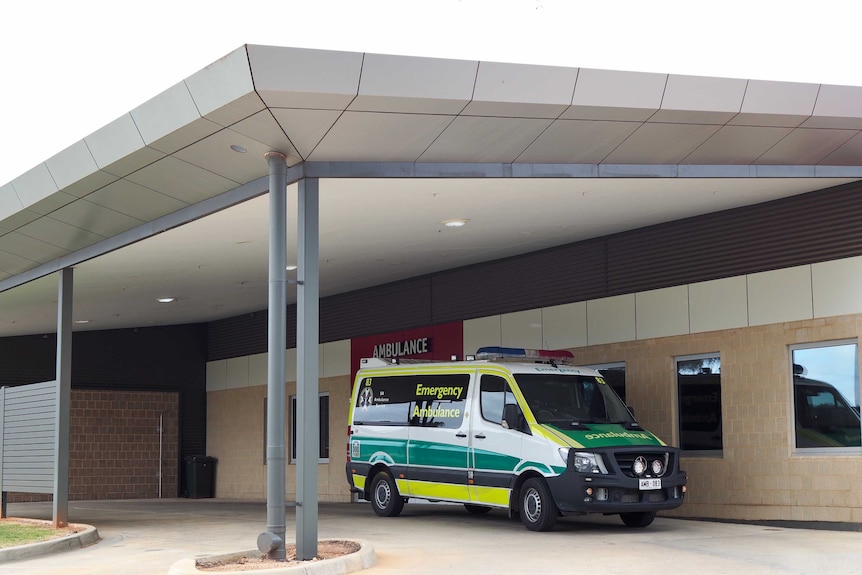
point(586, 462)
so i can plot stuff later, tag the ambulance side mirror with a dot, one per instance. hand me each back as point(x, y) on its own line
point(513, 418)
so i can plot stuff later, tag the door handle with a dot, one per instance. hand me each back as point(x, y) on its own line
point(460, 434)
point(479, 436)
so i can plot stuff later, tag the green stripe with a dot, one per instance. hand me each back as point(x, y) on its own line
point(433, 454)
point(372, 447)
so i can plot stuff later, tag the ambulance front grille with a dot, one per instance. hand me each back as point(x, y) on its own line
point(625, 460)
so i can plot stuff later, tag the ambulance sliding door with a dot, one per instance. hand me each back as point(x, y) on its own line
point(437, 442)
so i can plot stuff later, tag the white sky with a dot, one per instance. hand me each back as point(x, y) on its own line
point(70, 67)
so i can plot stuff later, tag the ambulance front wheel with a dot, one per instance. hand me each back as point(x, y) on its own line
point(385, 499)
point(538, 510)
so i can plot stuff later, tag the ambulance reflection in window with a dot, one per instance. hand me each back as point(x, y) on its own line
point(495, 394)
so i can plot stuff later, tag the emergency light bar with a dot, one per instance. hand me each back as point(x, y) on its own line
point(497, 352)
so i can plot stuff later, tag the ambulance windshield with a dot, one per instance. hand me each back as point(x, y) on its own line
point(572, 400)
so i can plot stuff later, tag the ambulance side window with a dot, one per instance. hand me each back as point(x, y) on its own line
point(494, 393)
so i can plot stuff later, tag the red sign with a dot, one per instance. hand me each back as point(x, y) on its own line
point(438, 342)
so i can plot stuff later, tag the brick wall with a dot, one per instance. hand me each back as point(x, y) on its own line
point(114, 445)
point(235, 437)
point(759, 475)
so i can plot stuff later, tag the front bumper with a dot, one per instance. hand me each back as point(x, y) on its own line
point(618, 491)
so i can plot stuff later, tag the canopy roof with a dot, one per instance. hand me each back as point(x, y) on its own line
point(533, 156)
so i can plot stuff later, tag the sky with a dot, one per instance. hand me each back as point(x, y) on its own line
point(70, 67)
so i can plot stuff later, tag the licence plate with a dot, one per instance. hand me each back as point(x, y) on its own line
point(648, 484)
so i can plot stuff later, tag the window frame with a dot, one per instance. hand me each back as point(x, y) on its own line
point(713, 453)
point(820, 450)
point(323, 425)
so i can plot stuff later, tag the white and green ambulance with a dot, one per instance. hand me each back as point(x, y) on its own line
point(536, 436)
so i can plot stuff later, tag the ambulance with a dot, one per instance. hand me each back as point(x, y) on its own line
point(514, 429)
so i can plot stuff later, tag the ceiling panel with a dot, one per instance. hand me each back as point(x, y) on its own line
point(134, 200)
point(781, 104)
point(305, 128)
point(521, 91)
point(382, 137)
point(578, 141)
point(305, 78)
point(12, 264)
point(736, 145)
point(615, 95)
point(94, 218)
point(186, 182)
point(661, 144)
point(263, 128)
point(30, 248)
point(806, 146)
point(414, 85)
point(481, 139)
point(848, 154)
point(223, 92)
point(214, 154)
point(57, 233)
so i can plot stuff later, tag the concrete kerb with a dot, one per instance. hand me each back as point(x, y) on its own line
point(356, 561)
point(86, 535)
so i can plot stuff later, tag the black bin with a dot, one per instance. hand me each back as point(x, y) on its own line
point(200, 476)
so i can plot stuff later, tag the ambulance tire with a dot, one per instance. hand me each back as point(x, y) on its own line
point(476, 509)
point(538, 510)
point(385, 499)
point(638, 519)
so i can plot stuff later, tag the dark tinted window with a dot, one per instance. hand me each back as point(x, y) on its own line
point(416, 400)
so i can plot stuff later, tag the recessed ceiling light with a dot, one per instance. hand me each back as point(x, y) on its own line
point(291, 267)
point(238, 149)
point(166, 299)
point(82, 321)
point(456, 223)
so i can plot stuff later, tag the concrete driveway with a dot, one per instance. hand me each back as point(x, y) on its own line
point(147, 537)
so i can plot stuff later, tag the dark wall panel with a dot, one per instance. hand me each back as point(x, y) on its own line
point(168, 358)
point(803, 229)
point(550, 277)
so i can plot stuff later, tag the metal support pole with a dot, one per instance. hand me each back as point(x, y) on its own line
point(275, 430)
point(307, 395)
point(64, 394)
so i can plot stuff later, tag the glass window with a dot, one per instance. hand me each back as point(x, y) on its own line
point(494, 394)
point(699, 394)
point(568, 401)
point(415, 400)
point(323, 430)
point(615, 375)
point(826, 395)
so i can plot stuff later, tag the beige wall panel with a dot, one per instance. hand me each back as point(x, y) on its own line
point(662, 312)
point(237, 372)
point(217, 375)
point(780, 295)
point(836, 287)
point(481, 332)
point(564, 326)
point(718, 304)
point(258, 369)
point(336, 358)
point(611, 319)
point(290, 364)
point(522, 329)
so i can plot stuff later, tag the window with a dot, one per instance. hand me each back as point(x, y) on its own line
point(699, 394)
point(323, 432)
point(434, 400)
point(826, 395)
point(494, 393)
point(615, 375)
